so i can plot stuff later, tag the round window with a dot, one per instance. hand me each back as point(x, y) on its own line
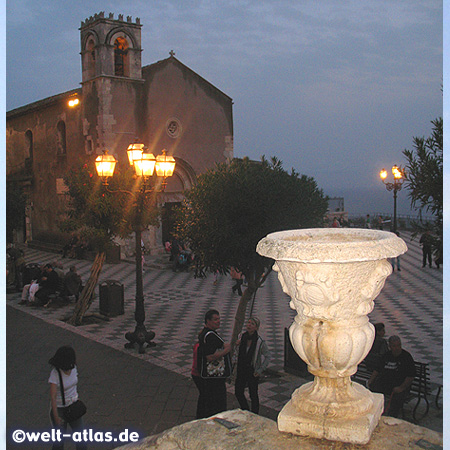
point(173, 128)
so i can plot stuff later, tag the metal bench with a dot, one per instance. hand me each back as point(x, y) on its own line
point(420, 388)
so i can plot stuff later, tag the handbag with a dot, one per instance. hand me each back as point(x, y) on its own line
point(220, 368)
point(75, 410)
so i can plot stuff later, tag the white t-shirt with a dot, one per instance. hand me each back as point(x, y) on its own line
point(70, 386)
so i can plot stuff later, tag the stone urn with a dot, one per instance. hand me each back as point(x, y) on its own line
point(333, 276)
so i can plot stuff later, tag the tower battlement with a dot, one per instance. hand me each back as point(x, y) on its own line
point(101, 16)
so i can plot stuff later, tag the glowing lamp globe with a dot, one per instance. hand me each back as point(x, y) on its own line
point(134, 152)
point(165, 165)
point(105, 165)
point(145, 166)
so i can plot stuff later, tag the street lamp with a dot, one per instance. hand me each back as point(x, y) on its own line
point(145, 164)
point(399, 177)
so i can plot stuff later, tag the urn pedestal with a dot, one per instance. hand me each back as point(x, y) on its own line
point(332, 277)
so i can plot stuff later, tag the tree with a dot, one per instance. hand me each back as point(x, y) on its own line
point(424, 178)
point(233, 207)
point(98, 215)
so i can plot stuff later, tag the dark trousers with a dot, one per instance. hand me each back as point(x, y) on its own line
point(76, 425)
point(201, 405)
point(426, 254)
point(215, 396)
point(42, 294)
point(242, 381)
point(395, 403)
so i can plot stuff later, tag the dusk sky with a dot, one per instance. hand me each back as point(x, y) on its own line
point(335, 89)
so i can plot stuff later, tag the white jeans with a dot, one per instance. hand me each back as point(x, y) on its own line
point(29, 291)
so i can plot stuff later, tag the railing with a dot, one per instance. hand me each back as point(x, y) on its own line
point(404, 222)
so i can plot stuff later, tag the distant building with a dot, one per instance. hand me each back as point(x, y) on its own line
point(336, 209)
point(166, 105)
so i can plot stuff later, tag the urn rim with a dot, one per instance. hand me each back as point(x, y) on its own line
point(317, 245)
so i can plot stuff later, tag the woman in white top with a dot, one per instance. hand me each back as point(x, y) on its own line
point(64, 360)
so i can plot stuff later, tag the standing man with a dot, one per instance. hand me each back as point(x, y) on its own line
point(427, 243)
point(393, 376)
point(216, 365)
point(238, 278)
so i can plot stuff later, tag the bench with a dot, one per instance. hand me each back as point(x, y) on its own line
point(60, 293)
point(52, 247)
point(420, 388)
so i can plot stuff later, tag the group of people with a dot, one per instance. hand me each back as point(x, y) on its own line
point(15, 265)
point(376, 223)
point(180, 256)
point(393, 370)
point(75, 247)
point(48, 282)
point(393, 373)
point(427, 242)
point(212, 366)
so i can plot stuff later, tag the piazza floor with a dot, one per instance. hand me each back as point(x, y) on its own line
point(410, 305)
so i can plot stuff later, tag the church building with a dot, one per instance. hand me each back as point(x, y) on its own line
point(166, 105)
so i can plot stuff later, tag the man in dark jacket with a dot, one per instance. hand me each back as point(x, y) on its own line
point(48, 284)
point(393, 376)
point(72, 283)
point(214, 353)
point(427, 244)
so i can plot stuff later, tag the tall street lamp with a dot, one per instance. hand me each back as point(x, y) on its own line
point(145, 165)
point(399, 177)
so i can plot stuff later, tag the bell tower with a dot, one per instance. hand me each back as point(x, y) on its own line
point(110, 47)
point(111, 81)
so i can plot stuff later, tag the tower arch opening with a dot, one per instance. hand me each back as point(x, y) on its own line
point(90, 58)
point(121, 57)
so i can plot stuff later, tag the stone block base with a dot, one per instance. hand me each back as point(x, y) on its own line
point(354, 430)
point(252, 432)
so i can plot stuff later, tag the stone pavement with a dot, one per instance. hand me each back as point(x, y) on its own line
point(410, 305)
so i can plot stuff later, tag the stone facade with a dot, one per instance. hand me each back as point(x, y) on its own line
point(165, 105)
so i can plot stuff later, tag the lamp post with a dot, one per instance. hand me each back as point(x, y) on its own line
point(145, 164)
point(399, 177)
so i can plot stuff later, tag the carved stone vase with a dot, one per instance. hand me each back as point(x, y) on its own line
point(333, 276)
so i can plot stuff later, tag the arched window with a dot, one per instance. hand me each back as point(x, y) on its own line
point(29, 144)
point(90, 58)
point(61, 138)
point(121, 64)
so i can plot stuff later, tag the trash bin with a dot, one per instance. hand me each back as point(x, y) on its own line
point(111, 298)
point(292, 362)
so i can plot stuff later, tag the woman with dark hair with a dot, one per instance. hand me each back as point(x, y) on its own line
point(64, 370)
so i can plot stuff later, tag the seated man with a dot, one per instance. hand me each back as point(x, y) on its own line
point(72, 283)
point(48, 285)
point(393, 376)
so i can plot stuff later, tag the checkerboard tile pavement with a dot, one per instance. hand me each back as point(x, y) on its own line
point(410, 305)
